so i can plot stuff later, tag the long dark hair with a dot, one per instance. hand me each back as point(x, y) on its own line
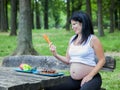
point(87, 27)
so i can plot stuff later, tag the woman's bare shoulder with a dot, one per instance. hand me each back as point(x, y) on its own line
point(94, 41)
point(95, 38)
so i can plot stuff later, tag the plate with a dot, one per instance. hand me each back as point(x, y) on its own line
point(49, 74)
point(40, 73)
point(25, 71)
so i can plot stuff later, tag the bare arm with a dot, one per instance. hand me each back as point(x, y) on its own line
point(95, 43)
point(100, 55)
point(64, 59)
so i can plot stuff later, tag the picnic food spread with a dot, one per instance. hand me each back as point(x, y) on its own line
point(45, 70)
point(25, 68)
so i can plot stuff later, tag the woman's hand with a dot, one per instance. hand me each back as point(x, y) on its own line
point(53, 49)
point(86, 79)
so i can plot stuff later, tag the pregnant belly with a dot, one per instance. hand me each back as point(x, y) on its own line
point(78, 70)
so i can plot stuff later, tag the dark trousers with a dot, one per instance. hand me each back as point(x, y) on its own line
point(71, 84)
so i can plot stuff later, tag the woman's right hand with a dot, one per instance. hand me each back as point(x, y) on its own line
point(53, 49)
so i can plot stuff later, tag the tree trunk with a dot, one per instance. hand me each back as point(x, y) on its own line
point(100, 22)
point(116, 18)
point(13, 18)
point(6, 12)
point(46, 14)
point(119, 19)
point(38, 25)
point(0, 15)
point(73, 8)
point(76, 5)
point(88, 8)
point(68, 15)
point(25, 46)
point(32, 14)
point(3, 22)
point(111, 16)
point(56, 16)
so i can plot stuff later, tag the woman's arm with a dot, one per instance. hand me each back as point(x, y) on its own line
point(64, 59)
point(100, 55)
point(95, 43)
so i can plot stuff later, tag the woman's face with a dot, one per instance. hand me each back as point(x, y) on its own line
point(76, 26)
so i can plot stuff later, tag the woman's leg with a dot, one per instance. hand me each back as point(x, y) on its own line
point(69, 84)
point(93, 84)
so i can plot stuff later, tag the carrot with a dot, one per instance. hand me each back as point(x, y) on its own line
point(46, 38)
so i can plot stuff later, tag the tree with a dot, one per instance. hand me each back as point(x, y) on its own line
point(46, 14)
point(13, 18)
point(68, 15)
point(119, 19)
point(3, 16)
point(88, 8)
point(57, 5)
point(100, 22)
point(116, 18)
point(37, 12)
point(76, 5)
point(117, 14)
point(0, 15)
point(32, 14)
point(25, 45)
point(112, 16)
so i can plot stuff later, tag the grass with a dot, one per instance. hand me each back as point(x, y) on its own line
point(111, 43)
point(111, 80)
point(59, 37)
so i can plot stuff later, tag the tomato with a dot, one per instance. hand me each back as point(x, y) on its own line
point(25, 67)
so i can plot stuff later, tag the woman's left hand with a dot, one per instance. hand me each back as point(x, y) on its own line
point(86, 79)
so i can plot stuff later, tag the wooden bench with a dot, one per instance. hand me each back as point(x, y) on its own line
point(110, 64)
point(51, 62)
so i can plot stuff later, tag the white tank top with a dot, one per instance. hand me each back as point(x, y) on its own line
point(83, 53)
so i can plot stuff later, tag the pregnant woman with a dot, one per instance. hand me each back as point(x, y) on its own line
point(81, 52)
